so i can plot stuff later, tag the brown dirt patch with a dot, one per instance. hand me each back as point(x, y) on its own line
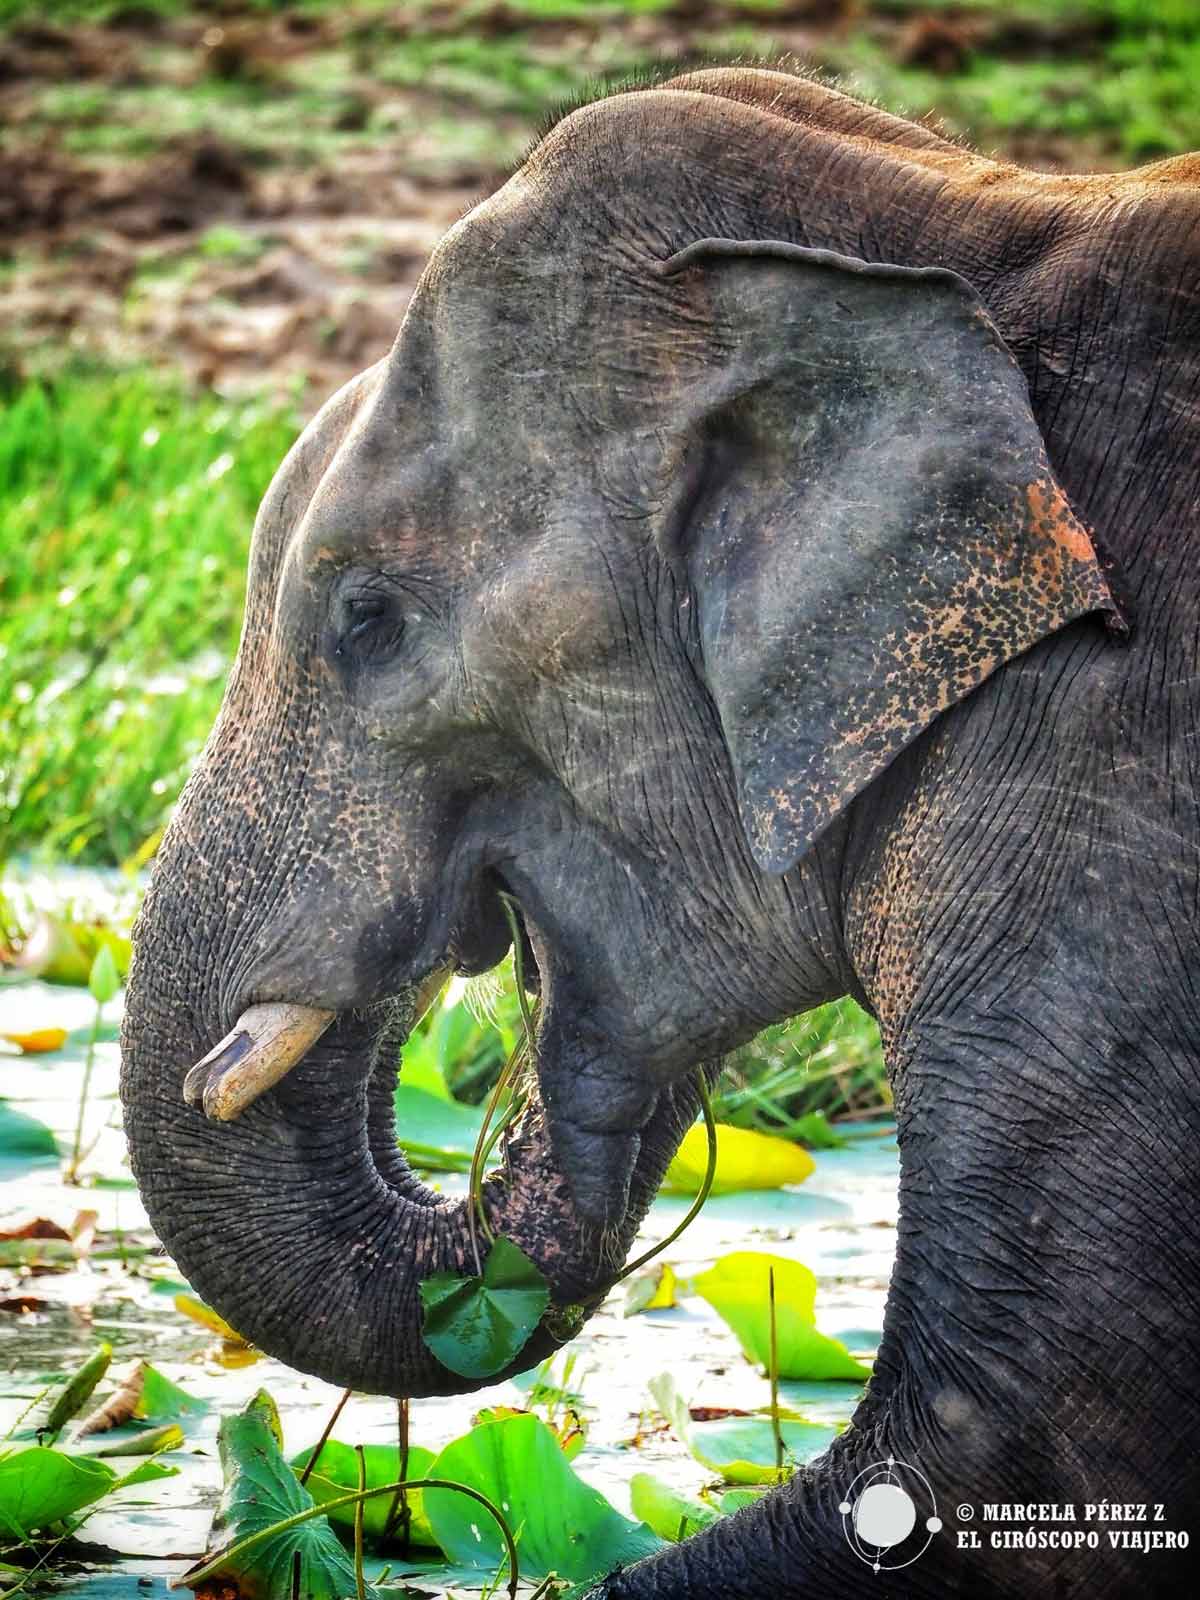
point(247, 254)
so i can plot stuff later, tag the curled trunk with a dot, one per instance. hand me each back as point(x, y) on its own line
point(301, 1221)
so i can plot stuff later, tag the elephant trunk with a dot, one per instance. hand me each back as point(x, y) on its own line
point(300, 1220)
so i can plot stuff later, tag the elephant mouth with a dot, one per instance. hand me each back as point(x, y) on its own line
point(268, 1040)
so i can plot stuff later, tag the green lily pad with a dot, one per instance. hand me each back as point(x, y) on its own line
point(25, 1143)
point(434, 1131)
point(336, 1473)
point(742, 1449)
point(737, 1289)
point(560, 1523)
point(476, 1326)
point(39, 1486)
point(162, 1401)
point(738, 1499)
point(46, 1420)
point(671, 1514)
point(261, 1490)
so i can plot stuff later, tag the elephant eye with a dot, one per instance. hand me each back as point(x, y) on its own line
point(371, 625)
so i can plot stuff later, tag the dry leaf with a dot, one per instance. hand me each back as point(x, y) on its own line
point(233, 1354)
point(119, 1406)
point(21, 1303)
point(83, 1233)
point(36, 1228)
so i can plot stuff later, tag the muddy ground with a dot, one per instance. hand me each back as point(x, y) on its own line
point(250, 197)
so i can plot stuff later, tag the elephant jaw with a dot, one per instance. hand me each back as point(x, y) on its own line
point(263, 1046)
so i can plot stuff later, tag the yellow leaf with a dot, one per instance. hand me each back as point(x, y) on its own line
point(229, 1349)
point(206, 1317)
point(745, 1160)
point(664, 1294)
point(38, 1041)
point(653, 1290)
point(233, 1354)
point(737, 1287)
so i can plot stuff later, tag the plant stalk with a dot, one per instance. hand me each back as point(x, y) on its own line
point(221, 1563)
point(697, 1204)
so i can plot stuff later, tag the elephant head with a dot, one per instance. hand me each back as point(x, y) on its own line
point(653, 541)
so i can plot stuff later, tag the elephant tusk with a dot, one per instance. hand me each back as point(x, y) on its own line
point(265, 1043)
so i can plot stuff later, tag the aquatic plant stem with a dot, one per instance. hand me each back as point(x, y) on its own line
point(324, 1439)
point(360, 1585)
point(221, 1563)
point(773, 1373)
point(710, 1172)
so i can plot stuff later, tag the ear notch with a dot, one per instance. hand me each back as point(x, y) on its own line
point(887, 533)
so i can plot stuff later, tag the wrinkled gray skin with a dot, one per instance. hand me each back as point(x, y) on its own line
point(619, 585)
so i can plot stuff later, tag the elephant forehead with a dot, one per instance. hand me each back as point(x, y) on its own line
point(437, 511)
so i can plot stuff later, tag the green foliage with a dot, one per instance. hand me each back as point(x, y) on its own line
point(435, 1132)
point(64, 11)
point(336, 1473)
point(1114, 73)
point(127, 506)
point(561, 1524)
point(1136, 101)
point(40, 1487)
point(737, 1289)
point(261, 1490)
point(742, 1449)
point(463, 1042)
point(78, 1389)
point(788, 1082)
point(667, 1512)
point(223, 243)
point(795, 1075)
point(476, 1326)
point(45, 1421)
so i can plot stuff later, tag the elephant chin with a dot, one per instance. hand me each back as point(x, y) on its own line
point(300, 1220)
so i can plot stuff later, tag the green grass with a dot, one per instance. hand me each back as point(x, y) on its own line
point(61, 12)
point(268, 121)
point(1138, 101)
point(126, 506)
point(1124, 86)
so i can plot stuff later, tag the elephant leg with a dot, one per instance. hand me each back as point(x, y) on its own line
point(1034, 1322)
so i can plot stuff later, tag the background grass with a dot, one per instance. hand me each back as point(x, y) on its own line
point(127, 496)
point(126, 505)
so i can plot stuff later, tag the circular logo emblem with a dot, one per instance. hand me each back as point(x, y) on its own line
point(889, 1515)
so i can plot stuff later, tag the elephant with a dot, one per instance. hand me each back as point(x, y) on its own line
point(768, 555)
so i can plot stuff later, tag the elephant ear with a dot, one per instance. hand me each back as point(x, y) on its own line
point(874, 528)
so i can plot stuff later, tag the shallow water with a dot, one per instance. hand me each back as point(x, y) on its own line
point(840, 1223)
